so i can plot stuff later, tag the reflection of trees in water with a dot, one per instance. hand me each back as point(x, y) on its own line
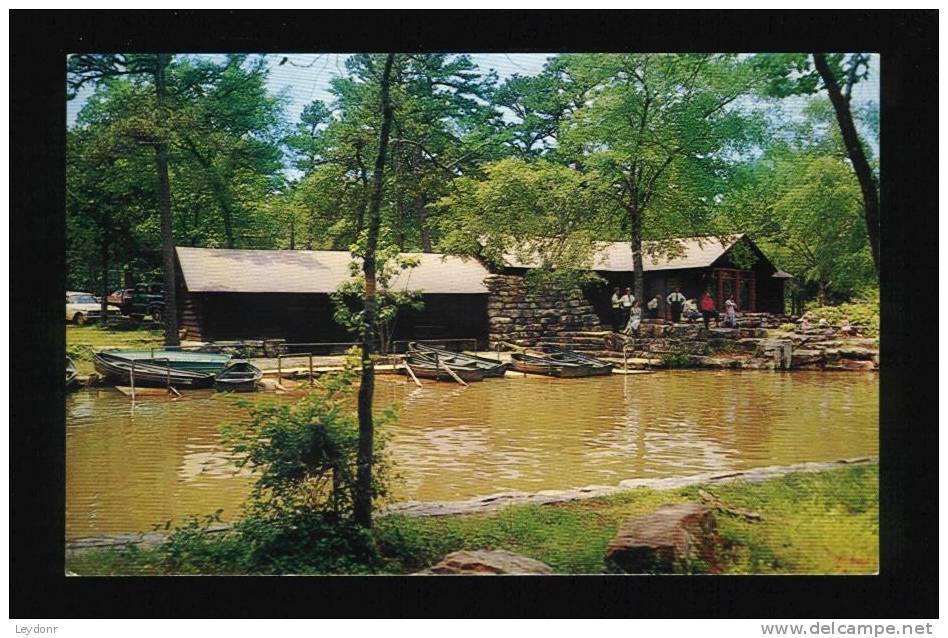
point(125, 474)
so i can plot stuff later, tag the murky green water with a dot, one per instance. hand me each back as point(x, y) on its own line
point(126, 472)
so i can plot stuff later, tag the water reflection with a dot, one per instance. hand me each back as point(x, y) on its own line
point(127, 470)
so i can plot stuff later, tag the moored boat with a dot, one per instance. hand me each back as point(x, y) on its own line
point(425, 370)
point(490, 367)
point(532, 364)
point(204, 362)
point(147, 372)
point(239, 376)
point(72, 375)
point(569, 356)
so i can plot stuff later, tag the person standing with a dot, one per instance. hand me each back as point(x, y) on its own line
point(730, 312)
point(653, 307)
point(626, 300)
point(617, 309)
point(707, 309)
point(635, 319)
point(675, 301)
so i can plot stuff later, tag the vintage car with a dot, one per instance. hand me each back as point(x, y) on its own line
point(146, 299)
point(82, 307)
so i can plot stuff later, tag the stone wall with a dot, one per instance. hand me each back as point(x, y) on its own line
point(523, 318)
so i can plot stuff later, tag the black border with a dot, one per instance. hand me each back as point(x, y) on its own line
point(907, 586)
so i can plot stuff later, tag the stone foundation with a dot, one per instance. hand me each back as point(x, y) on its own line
point(521, 317)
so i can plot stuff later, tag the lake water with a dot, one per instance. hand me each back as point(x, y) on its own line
point(126, 471)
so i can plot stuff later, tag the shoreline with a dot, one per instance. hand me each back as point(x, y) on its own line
point(501, 500)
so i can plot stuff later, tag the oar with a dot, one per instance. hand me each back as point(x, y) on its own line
point(451, 372)
point(412, 373)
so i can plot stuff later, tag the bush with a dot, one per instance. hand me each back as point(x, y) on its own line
point(299, 517)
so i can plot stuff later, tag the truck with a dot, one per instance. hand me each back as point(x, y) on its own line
point(147, 299)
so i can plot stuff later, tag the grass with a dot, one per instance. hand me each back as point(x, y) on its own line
point(813, 523)
point(80, 340)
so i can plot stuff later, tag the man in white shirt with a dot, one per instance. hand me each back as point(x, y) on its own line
point(675, 301)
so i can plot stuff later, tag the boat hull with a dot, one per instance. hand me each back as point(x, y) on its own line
point(598, 366)
point(119, 371)
point(550, 368)
point(423, 371)
point(490, 367)
point(240, 376)
point(203, 362)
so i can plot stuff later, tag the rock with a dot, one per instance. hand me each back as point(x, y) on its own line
point(670, 540)
point(802, 357)
point(487, 563)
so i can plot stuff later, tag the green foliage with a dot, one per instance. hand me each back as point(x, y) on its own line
point(813, 523)
point(299, 516)
point(391, 268)
point(677, 358)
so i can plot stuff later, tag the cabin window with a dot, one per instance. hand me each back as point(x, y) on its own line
point(740, 283)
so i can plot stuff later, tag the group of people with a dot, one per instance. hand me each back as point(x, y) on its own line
point(627, 313)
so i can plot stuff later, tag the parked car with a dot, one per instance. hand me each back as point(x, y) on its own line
point(147, 299)
point(120, 297)
point(81, 307)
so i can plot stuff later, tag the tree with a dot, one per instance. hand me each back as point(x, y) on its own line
point(864, 173)
point(363, 492)
point(656, 134)
point(793, 74)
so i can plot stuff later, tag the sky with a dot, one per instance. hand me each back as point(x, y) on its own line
point(306, 77)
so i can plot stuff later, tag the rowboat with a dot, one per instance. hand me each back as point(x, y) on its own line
point(568, 356)
point(425, 370)
point(204, 362)
point(71, 374)
point(116, 367)
point(239, 376)
point(532, 364)
point(429, 354)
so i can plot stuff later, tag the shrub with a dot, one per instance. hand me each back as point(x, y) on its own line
point(299, 517)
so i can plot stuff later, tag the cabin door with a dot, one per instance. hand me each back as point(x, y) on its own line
point(741, 284)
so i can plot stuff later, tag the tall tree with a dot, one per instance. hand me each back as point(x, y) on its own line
point(801, 74)
point(655, 131)
point(362, 509)
point(87, 68)
point(854, 147)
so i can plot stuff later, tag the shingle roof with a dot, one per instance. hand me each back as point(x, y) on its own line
point(316, 271)
point(693, 252)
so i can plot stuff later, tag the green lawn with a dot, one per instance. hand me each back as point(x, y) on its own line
point(80, 340)
point(813, 523)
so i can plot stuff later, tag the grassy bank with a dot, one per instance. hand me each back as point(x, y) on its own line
point(824, 522)
point(81, 339)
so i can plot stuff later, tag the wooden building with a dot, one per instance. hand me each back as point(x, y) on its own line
point(261, 294)
point(722, 266)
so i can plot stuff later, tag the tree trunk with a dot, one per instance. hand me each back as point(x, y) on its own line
point(105, 277)
point(638, 273)
point(857, 155)
point(170, 313)
point(420, 204)
point(363, 493)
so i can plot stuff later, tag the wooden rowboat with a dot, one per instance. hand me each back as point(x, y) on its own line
point(71, 374)
point(239, 376)
point(203, 362)
point(148, 372)
point(568, 356)
point(532, 364)
point(490, 367)
point(425, 370)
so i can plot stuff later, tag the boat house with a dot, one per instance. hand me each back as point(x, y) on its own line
point(228, 294)
point(260, 294)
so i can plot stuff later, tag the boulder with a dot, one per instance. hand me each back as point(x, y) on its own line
point(487, 563)
point(809, 358)
point(673, 539)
